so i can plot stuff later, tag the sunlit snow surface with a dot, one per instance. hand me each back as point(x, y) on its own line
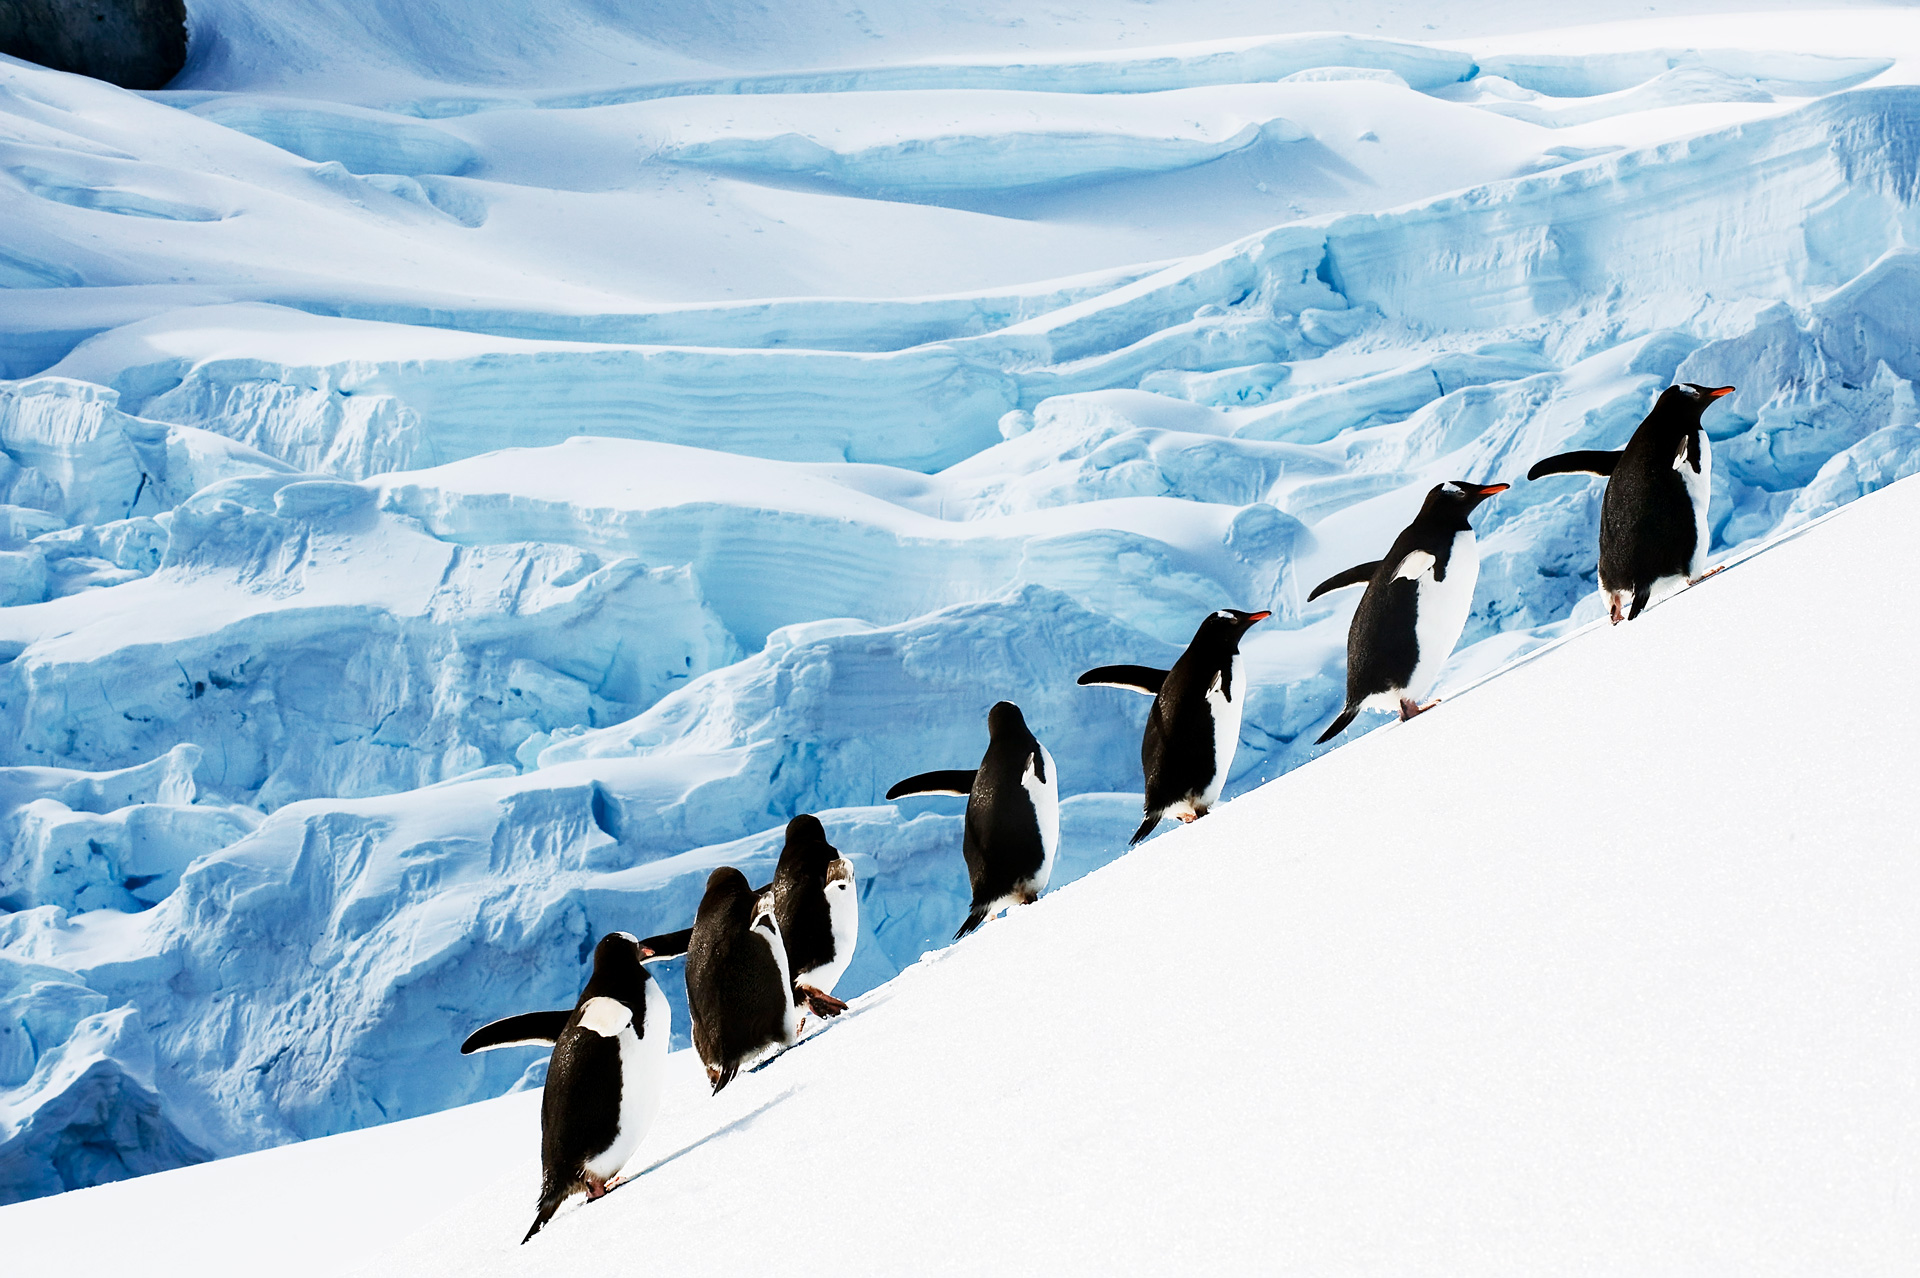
point(421, 554)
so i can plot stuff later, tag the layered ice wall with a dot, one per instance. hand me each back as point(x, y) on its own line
point(416, 565)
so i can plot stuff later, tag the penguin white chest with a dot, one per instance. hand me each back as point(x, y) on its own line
point(767, 928)
point(1225, 710)
point(843, 921)
point(1440, 611)
point(1045, 797)
point(643, 1065)
point(1700, 493)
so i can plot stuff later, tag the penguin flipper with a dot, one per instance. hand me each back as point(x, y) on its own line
point(1591, 461)
point(951, 781)
point(529, 1029)
point(1133, 678)
point(1339, 725)
point(1358, 575)
point(1146, 828)
point(667, 945)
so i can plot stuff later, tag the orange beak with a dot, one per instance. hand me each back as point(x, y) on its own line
point(1488, 490)
point(1258, 616)
point(1717, 391)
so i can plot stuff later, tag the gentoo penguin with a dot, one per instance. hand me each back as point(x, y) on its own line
point(1194, 726)
point(1653, 519)
point(1012, 831)
point(1415, 607)
point(739, 990)
point(818, 910)
point(603, 1082)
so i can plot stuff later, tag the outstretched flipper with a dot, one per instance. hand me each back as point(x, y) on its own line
point(529, 1029)
point(667, 945)
point(952, 781)
point(1339, 725)
point(1133, 678)
point(1358, 575)
point(1591, 461)
point(1146, 828)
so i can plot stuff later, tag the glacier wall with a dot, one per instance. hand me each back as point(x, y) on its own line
point(374, 636)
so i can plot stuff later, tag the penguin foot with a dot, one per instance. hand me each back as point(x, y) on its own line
point(1408, 708)
point(596, 1188)
point(1711, 572)
point(1613, 610)
point(823, 1004)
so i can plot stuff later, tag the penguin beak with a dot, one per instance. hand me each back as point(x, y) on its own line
point(1257, 616)
point(1488, 490)
point(1715, 392)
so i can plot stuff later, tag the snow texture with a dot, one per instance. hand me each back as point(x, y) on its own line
point(454, 492)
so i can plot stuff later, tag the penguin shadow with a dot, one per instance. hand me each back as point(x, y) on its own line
point(741, 1123)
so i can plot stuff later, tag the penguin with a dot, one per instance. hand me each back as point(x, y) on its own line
point(1415, 607)
point(1012, 832)
point(819, 913)
point(603, 1082)
point(1194, 726)
point(818, 910)
point(739, 988)
point(1653, 518)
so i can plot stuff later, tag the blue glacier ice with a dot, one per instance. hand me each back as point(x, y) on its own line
point(399, 588)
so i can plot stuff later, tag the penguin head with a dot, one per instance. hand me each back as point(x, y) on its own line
point(1690, 398)
point(807, 847)
point(1005, 717)
point(725, 886)
point(1450, 503)
point(1226, 625)
point(617, 965)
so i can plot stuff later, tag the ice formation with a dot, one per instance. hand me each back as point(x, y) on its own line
point(417, 563)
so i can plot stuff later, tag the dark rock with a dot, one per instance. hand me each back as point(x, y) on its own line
point(136, 44)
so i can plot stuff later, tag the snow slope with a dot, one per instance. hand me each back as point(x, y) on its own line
point(450, 500)
point(1393, 1012)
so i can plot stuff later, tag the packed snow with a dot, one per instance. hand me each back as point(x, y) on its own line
point(457, 489)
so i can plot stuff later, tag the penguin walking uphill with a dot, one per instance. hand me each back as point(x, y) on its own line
point(603, 1082)
point(1194, 726)
point(818, 911)
point(1653, 519)
point(1415, 607)
point(739, 988)
point(1012, 831)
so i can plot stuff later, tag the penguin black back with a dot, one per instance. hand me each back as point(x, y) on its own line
point(814, 900)
point(1193, 728)
point(1653, 518)
point(1004, 843)
point(602, 1083)
point(1415, 605)
point(738, 989)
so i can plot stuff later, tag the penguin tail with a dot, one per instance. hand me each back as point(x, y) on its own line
point(722, 1075)
point(1339, 725)
point(975, 918)
point(1640, 596)
point(1146, 828)
point(550, 1201)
